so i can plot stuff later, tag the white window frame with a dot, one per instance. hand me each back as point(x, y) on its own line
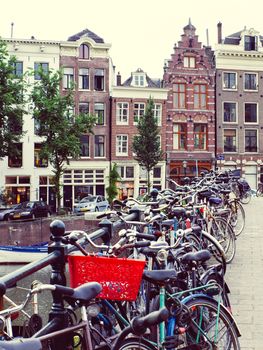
point(119, 113)
point(250, 73)
point(227, 88)
point(68, 77)
point(189, 62)
point(236, 130)
point(248, 129)
point(81, 78)
point(157, 113)
point(120, 145)
point(139, 109)
point(223, 117)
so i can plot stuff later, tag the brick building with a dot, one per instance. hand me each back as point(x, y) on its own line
point(85, 61)
point(239, 86)
point(129, 101)
point(190, 76)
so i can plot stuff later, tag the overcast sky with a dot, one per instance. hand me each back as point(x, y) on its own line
point(142, 32)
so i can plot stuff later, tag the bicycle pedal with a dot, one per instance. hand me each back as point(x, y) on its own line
point(172, 342)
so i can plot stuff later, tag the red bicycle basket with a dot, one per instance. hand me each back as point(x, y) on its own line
point(120, 278)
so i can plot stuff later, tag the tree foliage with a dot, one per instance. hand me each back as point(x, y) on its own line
point(12, 103)
point(114, 177)
point(146, 145)
point(60, 129)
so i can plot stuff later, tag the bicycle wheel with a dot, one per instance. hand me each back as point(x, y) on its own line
point(237, 217)
point(246, 198)
point(259, 192)
point(223, 232)
point(135, 343)
point(209, 328)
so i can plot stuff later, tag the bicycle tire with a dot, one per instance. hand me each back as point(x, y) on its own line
point(205, 324)
point(246, 198)
point(135, 343)
point(223, 232)
point(259, 192)
point(237, 218)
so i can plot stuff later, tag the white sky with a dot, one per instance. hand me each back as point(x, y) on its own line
point(142, 32)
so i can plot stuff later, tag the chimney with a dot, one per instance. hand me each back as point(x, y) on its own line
point(219, 32)
point(118, 79)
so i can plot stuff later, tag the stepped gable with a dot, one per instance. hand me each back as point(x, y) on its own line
point(86, 33)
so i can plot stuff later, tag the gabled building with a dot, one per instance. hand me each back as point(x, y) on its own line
point(190, 121)
point(129, 102)
point(28, 177)
point(239, 96)
point(85, 61)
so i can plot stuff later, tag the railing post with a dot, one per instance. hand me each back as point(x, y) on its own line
point(58, 313)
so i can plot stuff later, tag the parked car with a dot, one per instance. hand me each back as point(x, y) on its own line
point(30, 210)
point(91, 203)
point(4, 214)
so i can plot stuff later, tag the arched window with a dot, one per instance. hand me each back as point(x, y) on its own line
point(84, 51)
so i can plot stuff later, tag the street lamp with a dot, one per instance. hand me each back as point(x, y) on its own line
point(184, 166)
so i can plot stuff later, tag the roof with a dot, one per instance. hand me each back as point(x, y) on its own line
point(233, 39)
point(86, 33)
point(154, 83)
point(189, 26)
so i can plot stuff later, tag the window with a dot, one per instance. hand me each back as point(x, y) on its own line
point(126, 172)
point(229, 81)
point(139, 80)
point(200, 96)
point(179, 136)
point(251, 141)
point(84, 107)
point(230, 112)
point(68, 78)
point(138, 111)
point(129, 172)
point(17, 68)
point(122, 145)
point(84, 146)
point(230, 140)
point(69, 114)
point(157, 113)
point(122, 113)
point(99, 80)
point(179, 95)
point(250, 43)
point(83, 79)
point(200, 136)
point(99, 112)
point(39, 162)
point(99, 146)
point(38, 66)
point(15, 161)
point(189, 62)
point(157, 172)
point(250, 81)
point(84, 51)
point(251, 113)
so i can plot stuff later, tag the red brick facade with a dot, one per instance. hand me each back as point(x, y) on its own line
point(190, 77)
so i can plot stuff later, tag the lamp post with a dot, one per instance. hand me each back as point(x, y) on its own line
point(184, 166)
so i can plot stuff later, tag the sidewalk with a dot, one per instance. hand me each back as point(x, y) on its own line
point(244, 276)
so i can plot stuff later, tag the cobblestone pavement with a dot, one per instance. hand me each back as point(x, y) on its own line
point(245, 278)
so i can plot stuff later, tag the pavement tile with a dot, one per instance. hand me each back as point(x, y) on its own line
point(244, 277)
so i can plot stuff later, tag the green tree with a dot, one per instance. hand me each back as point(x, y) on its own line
point(60, 129)
point(146, 145)
point(114, 177)
point(12, 103)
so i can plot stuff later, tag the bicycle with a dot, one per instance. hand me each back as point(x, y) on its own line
point(259, 192)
